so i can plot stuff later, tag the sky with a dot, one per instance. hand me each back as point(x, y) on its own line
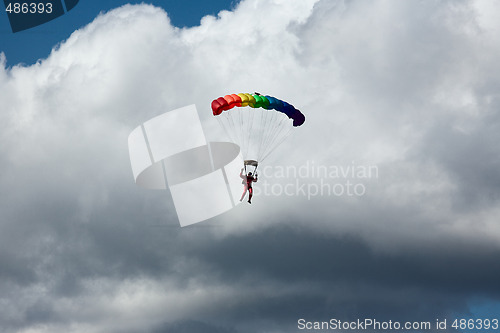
point(383, 205)
point(30, 45)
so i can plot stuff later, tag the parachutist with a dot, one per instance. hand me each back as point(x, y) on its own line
point(247, 182)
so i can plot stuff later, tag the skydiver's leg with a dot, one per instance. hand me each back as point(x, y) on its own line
point(250, 191)
point(244, 193)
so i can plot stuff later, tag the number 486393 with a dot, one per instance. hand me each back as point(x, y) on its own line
point(29, 8)
point(475, 324)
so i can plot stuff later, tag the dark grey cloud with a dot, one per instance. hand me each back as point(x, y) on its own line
point(191, 326)
point(470, 157)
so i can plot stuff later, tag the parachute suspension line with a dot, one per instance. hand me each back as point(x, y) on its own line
point(280, 134)
point(277, 129)
point(276, 125)
point(263, 121)
point(279, 143)
point(283, 130)
point(244, 129)
point(226, 120)
point(222, 122)
point(250, 126)
point(242, 122)
point(233, 125)
point(270, 127)
point(238, 122)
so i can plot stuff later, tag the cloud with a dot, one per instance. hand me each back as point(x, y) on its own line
point(406, 87)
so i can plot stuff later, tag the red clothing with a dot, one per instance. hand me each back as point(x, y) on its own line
point(250, 180)
point(247, 181)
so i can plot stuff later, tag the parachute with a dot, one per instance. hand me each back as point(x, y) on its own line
point(257, 123)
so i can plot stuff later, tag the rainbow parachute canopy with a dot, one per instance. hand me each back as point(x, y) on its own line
point(257, 101)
